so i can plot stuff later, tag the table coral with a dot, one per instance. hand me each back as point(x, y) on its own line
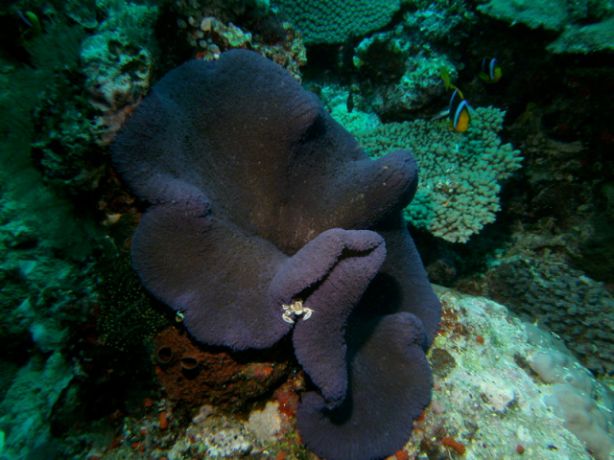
point(585, 25)
point(549, 14)
point(461, 173)
point(584, 39)
point(251, 186)
point(334, 21)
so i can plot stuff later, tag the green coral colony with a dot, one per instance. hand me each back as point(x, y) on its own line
point(506, 107)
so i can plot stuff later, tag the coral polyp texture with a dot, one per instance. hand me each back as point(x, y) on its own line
point(258, 200)
point(335, 21)
point(460, 172)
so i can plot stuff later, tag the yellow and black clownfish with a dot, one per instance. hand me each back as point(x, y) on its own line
point(490, 71)
point(459, 112)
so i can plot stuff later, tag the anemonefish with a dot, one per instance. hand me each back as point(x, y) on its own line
point(490, 71)
point(459, 112)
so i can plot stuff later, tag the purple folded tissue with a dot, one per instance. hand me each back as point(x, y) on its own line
point(265, 218)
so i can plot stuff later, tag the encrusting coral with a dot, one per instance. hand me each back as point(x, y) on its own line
point(229, 248)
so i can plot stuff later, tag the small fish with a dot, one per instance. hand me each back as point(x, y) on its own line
point(459, 112)
point(490, 71)
point(445, 77)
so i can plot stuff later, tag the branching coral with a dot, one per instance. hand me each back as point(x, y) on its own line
point(460, 173)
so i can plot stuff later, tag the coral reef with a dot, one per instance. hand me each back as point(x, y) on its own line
point(117, 63)
point(98, 78)
point(336, 21)
point(566, 204)
point(570, 304)
point(549, 14)
point(50, 292)
point(29, 403)
point(399, 78)
point(268, 242)
point(47, 295)
point(65, 147)
point(336, 99)
point(399, 70)
point(460, 173)
point(433, 22)
point(94, 367)
point(62, 139)
point(211, 28)
point(585, 39)
point(45, 271)
point(569, 18)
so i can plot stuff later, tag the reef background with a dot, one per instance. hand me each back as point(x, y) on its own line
point(518, 209)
